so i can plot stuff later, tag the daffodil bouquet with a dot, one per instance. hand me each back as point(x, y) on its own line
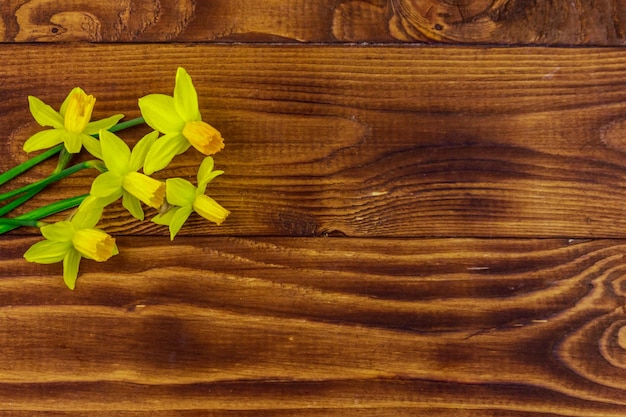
point(123, 173)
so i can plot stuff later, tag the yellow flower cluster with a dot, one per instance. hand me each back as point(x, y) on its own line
point(177, 125)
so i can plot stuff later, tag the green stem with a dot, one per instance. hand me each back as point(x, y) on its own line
point(64, 159)
point(45, 211)
point(52, 178)
point(19, 201)
point(127, 124)
point(18, 222)
point(24, 166)
point(60, 171)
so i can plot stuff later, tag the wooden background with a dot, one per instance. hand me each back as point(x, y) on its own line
point(424, 221)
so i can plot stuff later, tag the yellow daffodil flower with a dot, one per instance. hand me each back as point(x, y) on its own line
point(178, 118)
point(73, 239)
point(186, 198)
point(122, 178)
point(71, 125)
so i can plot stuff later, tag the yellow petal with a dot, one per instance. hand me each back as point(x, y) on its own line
point(140, 150)
point(92, 145)
point(159, 113)
point(115, 152)
point(180, 192)
point(206, 174)
point(107, 184)
point(44, 114)
point(71, 263)
point(104, 124)
point(88, 213)
point(185, 97)
point(178, 219)
point(62, 231)
point(73, 141)
point(133, 205)
point(163, 151)
point(44, 140)
point(47, 252)
point(206, 167)
point(165, 217)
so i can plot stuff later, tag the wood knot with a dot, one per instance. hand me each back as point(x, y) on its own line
point(444, 20)
point(621, 337)
point(613, 344)
point(596, 351)
point(16, 140)
point(296, 224)
point(613, 135)
point(86, 20)
point(62, 25)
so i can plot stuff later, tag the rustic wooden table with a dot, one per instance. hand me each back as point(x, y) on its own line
point(424, 222)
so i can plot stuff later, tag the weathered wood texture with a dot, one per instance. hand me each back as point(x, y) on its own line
point(386, 251)
point(367, 141)
point(325, 326)
point(548, 22)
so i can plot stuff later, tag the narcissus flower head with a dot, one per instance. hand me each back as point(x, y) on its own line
point(122, 178)
point(178, 118)
point(185, 198)
point(71, 125)
point(71, 240)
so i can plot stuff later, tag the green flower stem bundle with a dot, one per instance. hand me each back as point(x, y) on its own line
point(123, 174)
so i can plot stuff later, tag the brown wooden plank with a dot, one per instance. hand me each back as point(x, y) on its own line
point(326, 326)
point(365, 141)
point(581, 22)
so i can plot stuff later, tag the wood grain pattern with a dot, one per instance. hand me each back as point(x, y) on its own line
point(368, 141)
point(580, 22)
point(415, 231)
point(302, 326)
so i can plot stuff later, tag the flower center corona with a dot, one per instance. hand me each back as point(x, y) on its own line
point(94, 244)
point(146, 189)
point(210, 209)
point(78, 112)
point(204, 137)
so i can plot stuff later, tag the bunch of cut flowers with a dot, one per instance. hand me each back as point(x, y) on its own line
point(123, 174)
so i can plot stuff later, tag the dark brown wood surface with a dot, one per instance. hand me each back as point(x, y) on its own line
point(514, 22)
point(415, 230)
point(370, 141)
point(301, 326)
